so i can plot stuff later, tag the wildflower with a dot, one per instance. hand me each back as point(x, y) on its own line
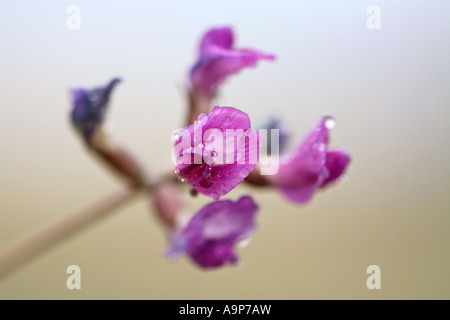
point(209, 237)
point(89, 106)
point(88, 113)
point(207, 156)
point(311, 166)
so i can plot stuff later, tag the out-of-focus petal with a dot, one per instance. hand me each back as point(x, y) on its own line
point(310, 166)
point(89, 106)
point(216, 37)
point(336, 163)
point(218, 59)
point(211, 234)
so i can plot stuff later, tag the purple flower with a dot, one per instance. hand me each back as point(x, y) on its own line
point(89, 106)
point(311, 166)
point(218, 59)
point(216, 153)
point(209, 237)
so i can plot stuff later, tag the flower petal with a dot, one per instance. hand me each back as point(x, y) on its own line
point(301, 173)
point(214, 254)
point(228, 144)
point(336, 163)
point(89, 106)
point(211, 234)
point(216, 37)
point(218, 60)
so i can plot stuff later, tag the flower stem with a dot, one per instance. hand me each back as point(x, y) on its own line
point(40, 240)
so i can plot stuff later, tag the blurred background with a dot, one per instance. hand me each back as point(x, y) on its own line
point(388, 87)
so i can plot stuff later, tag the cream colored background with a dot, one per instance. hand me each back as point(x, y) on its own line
point(389, 89)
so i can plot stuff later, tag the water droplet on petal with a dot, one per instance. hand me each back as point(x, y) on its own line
point(202, 116)
point(330, 122)
point(176, 171)
point(175, 135)
point(207, 181)
point(215, 196)
point(244, 172)
point(342, 179)
point(244, 242)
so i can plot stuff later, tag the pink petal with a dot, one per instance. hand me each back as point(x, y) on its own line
point(210, 235)
point(218, 59)
point(336, 164)
point(301, 173)
point(210, 72)
point(214, 254)
point(220, 176)
point(217, 37)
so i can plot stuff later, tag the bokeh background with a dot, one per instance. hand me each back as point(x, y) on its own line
point(389, 89)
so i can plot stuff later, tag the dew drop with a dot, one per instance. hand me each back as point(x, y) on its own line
point(342, 179)
point(244, 172)
point(202, 116)
point(175, 135)
point(215, 196)
point(207, 181)
point(330, 122)
point(244, 242)
point(176, 171)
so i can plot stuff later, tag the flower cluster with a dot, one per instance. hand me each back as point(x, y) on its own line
point(216, 151)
